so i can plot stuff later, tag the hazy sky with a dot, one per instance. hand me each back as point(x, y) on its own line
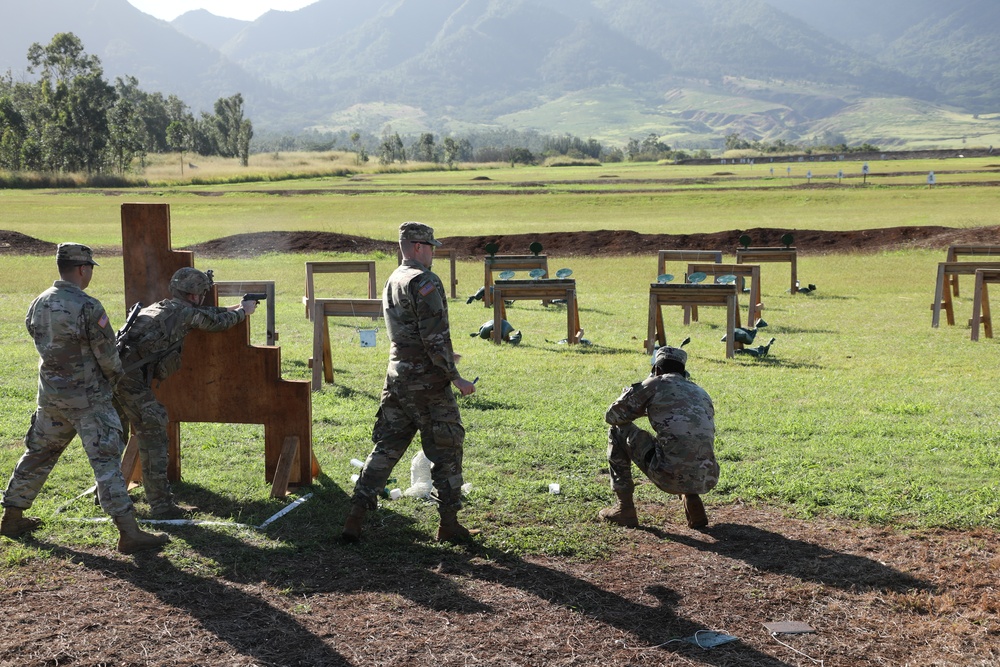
point(247, 10)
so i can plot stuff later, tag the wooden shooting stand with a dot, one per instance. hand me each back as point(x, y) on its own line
point(322, 359)
point(753, 255)
point(981, 302)
point(349, 266)
point(496, 263)
point(450, 253)
point(514, 290)
point(956, 251)
point(741, 271)
point(692, 295)
point(942, 296)
point(223, 378)
point(241, 287)
point(663, 256)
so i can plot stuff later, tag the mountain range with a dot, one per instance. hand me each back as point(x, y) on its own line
point(893, 72)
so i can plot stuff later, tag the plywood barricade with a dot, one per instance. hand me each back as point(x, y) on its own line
point(241, 287)
point(942, 296)
point(751, 271)
point(451, 254)
point(981, 302)
point(496, 263)
point(753, 255)
point(322, 359)
point(968, 250)
point(514, 290)
point(347, 266)
point(663, 256)
point(692, 295)
point(223, 378)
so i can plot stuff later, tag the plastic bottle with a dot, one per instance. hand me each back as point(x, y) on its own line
point(420, 476)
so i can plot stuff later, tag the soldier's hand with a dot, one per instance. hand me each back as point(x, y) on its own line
point(464, 386)
point(249, 307)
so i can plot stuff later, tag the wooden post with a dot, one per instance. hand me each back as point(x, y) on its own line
point(981, 302)
point(283, 471)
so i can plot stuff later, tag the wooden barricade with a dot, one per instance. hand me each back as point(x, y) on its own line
point(942, 296)
point(663, 256)
point(496, 263)
point(753, 255)
point(241, 287)
point(751, 271)
point(692, 295)
point(451, 254)
point(223, 378)
point(514, 290)
point(347, 266)
point(968, 250)
point(322, 359)
point(981, 302)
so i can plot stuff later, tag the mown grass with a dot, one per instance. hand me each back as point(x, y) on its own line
point(862, 411)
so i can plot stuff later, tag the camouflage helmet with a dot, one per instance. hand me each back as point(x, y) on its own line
point(189, 280)
point(666, 353)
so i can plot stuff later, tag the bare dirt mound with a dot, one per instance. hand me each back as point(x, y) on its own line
point(562, 244)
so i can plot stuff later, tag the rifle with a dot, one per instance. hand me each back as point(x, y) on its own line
point(254, 296)
point(133, 313)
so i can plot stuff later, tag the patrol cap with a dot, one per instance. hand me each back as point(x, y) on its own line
point(75, 252)
point(418, 232)
point(666, 353)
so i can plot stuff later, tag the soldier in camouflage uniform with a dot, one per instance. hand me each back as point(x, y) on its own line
point(679, 459)
point(416, 396)
point(78, 365)
point(151, 350)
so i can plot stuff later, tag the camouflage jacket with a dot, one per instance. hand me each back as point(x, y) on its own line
point(76, 345)
point(161, 328)
point(416, 318)
point(677, 409)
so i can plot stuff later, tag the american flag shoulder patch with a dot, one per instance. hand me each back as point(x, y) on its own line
point(103, 322)
point(426, 288)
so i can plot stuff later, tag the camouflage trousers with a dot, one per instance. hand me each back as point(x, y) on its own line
point(402, 413)
point(147, 417)
point(50, 433)
point(673, 465)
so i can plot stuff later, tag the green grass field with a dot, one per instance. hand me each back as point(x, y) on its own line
point(862, 410)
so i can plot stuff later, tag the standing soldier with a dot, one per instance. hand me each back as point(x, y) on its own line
point(151, 350)
point(680, 458)
point(78, 366)
point(416, 396)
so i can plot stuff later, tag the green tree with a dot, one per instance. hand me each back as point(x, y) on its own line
point(126, 135)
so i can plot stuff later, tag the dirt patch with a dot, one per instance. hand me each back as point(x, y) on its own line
point(16, 243)
point(874, 596)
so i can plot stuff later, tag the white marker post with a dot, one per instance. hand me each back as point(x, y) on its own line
point(864, 173)
point(930, 180)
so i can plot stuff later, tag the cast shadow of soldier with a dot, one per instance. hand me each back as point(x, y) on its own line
point(312, 561)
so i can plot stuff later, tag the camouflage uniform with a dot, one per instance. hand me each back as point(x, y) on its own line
point(680, 458)
point(78, 366)
point(160, 328)
point(416, 396)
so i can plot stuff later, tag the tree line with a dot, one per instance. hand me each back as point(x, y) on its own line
point(71, 119)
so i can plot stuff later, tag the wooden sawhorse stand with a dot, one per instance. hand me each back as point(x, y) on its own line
point(960, 250)
point(494, 263)
point(223, 378)
point(663, 256)
point(322, 358)
point(692, 295)
point(348, 266)
point(981, 302)
point(514, 290)
point(760, 255)
point(751, 271)
point(241, 287)
point(450, 253)
point(942, 296)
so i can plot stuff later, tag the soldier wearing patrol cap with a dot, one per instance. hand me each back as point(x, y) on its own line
point(680, 457)
point(151, 351)
point(416, 396)
point(79, 365)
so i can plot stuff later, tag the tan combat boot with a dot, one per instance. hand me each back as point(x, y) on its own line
point(622, 514)
point(15, 524)
point(352, 527)
point(451, 530)
point(131, 538)
point(694, 510)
